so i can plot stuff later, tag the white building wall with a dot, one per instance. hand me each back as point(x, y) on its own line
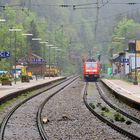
point(131, 65)
point(132, 62)
point(127, 65)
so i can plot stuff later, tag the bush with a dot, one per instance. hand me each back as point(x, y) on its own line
point(118, 117)
point(24, 78)
point(98, 104)
point(102, 113)
point(92, 105)
point(5, 77)
point(128, 122)
point(105, 109)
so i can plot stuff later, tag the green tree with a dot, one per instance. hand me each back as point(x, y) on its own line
point(126, 29)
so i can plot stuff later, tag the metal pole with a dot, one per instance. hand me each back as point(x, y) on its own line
point(54, 56)
point(49, 61)
point(97, 18)
point(10, 53)
point(15, 58)
point(135, 82)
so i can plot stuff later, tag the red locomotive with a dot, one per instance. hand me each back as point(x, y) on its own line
point(91, 70)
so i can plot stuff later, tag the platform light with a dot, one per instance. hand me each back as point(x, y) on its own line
point(2, 20)
point(43, 42)
point(27, 34)
point(38, 39)
point(15, 30)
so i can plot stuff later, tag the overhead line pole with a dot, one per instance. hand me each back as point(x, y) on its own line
point(30, 3)
point(97, 17)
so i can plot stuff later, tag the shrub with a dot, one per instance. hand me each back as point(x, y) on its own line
point(105, 109)
point(128, 122)
point(5, 77)
point(118, 117)
point(98, 104)
point(92, 105)
point(24, 78)
point(102, 113)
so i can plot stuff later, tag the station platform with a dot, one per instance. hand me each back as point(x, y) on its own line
point(7, 90)
point(125, 89)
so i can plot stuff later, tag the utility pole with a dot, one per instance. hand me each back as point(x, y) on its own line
point(62, 35)
point(69, 47)
point(135, 81)
point(29, 5)
point(97, 17)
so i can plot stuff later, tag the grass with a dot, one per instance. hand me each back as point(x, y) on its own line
point(92, 105)
point(91, 88)
point(118, 117)
point(14, 100)
point(111, 115)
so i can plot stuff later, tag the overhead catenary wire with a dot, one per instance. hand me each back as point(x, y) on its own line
point(76, 23)
point(104, 18)
point(101, 4)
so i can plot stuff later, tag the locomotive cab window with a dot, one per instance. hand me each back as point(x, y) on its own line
point(91, 65)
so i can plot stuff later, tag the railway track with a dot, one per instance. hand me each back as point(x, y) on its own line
point(105, 119)
point(14, 124)
point(102, 94)
point(70, 119)
point(39, 112)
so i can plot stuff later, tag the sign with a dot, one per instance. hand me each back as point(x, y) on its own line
point(138, 47)
point(38, 60)
point(124, 60)
point(4, 54)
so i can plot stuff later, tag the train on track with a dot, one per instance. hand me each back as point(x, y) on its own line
point(91, 70)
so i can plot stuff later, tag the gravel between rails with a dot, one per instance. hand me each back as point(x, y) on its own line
point(69, 119)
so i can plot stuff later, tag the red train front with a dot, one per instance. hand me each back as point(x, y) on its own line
point(91, 71)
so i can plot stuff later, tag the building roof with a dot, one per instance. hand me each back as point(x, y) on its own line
point(32, 59)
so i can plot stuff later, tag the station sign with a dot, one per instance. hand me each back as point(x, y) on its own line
point(4, 54)
point(124, 60)
point(38, 60)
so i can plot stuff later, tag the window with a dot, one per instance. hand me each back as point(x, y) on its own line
point(90, 65)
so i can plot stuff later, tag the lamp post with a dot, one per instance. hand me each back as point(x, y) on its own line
point(2, 20)
point(15, 30)
point(135, 81)
point(59, 59)
point(10, 53)
point(36, 39)
point(44, 42)
point(44, 54)
point(27, 49)
point(49, 45)
point(54, 52)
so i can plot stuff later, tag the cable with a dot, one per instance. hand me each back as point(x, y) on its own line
point(74, 6)
point(105, 3)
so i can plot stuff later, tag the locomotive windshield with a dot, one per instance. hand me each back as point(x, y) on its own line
point(90, 65)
